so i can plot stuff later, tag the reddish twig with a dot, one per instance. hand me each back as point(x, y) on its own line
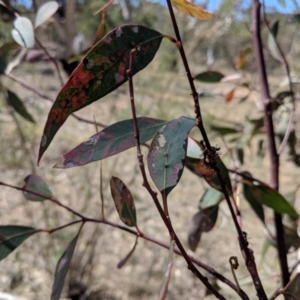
point(83, 218)
point(153, 194)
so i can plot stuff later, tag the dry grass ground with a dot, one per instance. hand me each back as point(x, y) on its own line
point(28, 272)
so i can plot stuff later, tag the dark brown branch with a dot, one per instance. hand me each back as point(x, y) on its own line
point(153, 194)
point(248, 255)
point(268, 121)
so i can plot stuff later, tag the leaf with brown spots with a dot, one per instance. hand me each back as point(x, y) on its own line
point(167, 153)
point(124, 201)
point(101, 71)
point(110, 141)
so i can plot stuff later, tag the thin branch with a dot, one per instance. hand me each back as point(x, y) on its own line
point(209, 269)
point(268, 121)
point(52, 59)
point(288, 73)
point(153, 194)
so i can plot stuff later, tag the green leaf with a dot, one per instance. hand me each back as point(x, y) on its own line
point(23, 32)
point(125, 259)
point(110, 141)
point(209, 76)
point(124, 201)
point(240, 155)
point(103, 69)
point(203, 221)
point(272, 45)
point(266, 196)
point(211, 197)
point(62, 269)
point(293, 19)
point(11, 236)
point(223, 130)
point(167, 153)
point(34, 183)
point(6, 50)
point(254, 203)
point(45, 12)
point(14, 101)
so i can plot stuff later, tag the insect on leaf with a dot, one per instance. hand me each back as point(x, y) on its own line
point(11, 236)
point(14, 101)
point(45, 12)
point(23, 32)
point(37, 185)
point(62, 269)
point(167, 153)
point(191, 9)
point(110, 141)
point(124, 201)
point(102, 70)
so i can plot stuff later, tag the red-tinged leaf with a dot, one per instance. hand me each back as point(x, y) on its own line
point(62, 269)
point(45, 12)
point(23, 32)
point(110, 141)
point(267, 196)
point(102, 26)
point(38, 186)
point(203, 221)
point(292, 290)
point(202, 169)
point(101, 29)
point(191, 9)
point(229, 96)
point(241, 60)
point(14, 101)
point(124, 201)
point(11, 236)
point(210, 76)
point(167, 153)
point(102, 70)
point(126, 258)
